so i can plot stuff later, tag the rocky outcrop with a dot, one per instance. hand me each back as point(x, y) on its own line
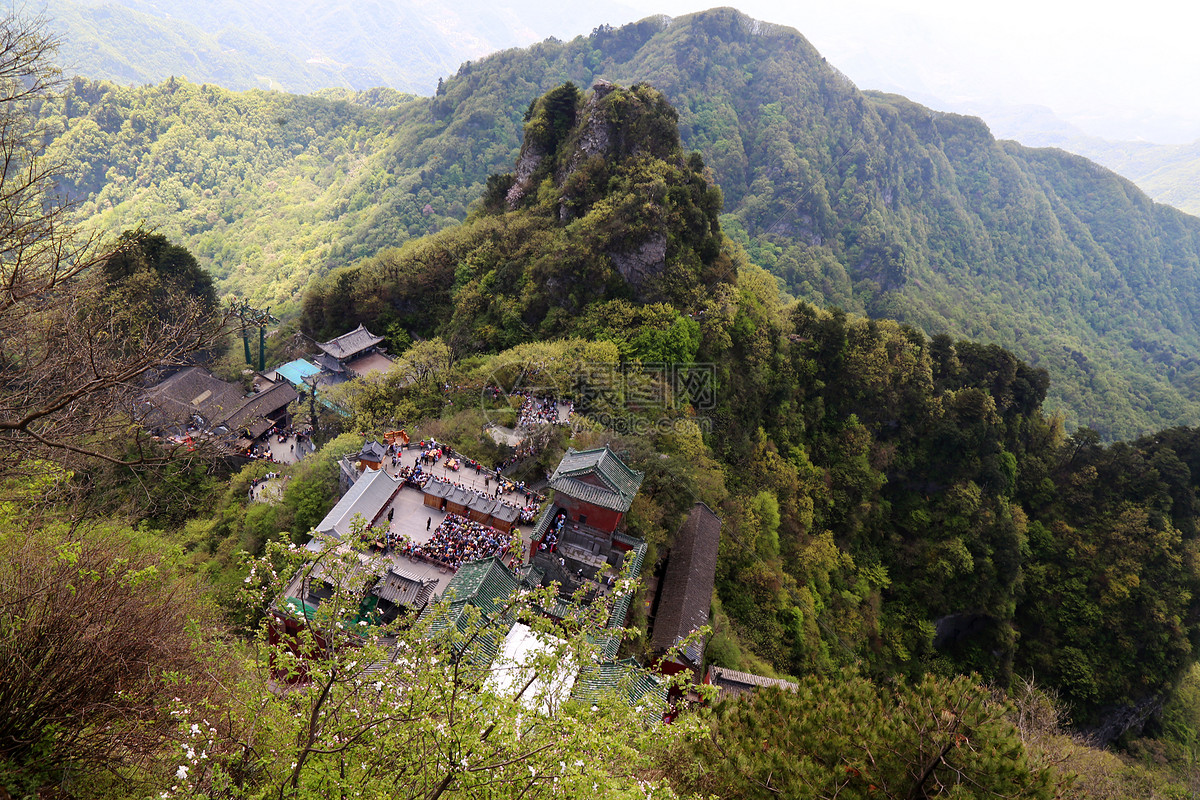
point(527, 164)
point(596, 133)
point(640, 267)
point(595, 139)
point(623, 185)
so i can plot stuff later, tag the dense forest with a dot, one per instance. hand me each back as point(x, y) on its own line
point(863, 201)
point(883, 491)
point(972, 598)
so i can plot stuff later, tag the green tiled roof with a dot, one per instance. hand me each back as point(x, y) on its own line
point(482, 584)
point(619, 483)
point(627, 680)
point(610, 644)
point(620, 609)
point(532, 575)
point(483, 581)
point(543, 524)
point(631, 542)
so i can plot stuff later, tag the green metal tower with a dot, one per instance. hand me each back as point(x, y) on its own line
point(254, 318)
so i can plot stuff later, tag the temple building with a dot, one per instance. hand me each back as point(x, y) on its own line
point(372, 456)
point(578, 534)
point(732, 682)
point(353, 354)
point(193, 401)
point(369, 498)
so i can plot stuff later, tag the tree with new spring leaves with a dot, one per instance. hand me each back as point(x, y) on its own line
point(421, 708)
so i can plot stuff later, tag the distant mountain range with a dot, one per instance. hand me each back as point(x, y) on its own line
point(862, 200)
point(303, 45)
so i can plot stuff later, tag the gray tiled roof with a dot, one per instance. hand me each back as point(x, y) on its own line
point(505, 512)
point(473, 500)
point(732, 681)
point(405, 590)
point(328, 362)
point(687, 587)
point(372, 451)
point(193, 391)
point(260, 405)
point(616, 484)
point(438, 488)
point(350, 344)
point(257, 427)
point(369, 494)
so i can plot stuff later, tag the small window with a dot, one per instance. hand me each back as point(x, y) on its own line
point(583, 519)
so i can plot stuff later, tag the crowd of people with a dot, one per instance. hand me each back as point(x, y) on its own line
point(261, 453)
point(541, 411)
point(413, 476)
point(261, 450)
point(456, 541)
point(380, 537)
point(284, 432)
point(549, 540)
point(520, 454)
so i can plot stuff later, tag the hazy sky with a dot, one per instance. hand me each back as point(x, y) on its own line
point(1122, 70)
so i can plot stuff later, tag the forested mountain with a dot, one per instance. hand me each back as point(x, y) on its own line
point(864, 201)
point(1169, 173)
point(611, 221)
point(264, 187)
point(903, 527)
point(890, 500)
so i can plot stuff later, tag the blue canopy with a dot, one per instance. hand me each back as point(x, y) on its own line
point(296, 371)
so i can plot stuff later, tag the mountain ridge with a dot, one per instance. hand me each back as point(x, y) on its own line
point(860, 200)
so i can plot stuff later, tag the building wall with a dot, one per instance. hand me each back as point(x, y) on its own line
point(604, 519)
point(347, 475)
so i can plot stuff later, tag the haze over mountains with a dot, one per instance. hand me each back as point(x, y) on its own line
point(865, 201)
point(304, 45)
